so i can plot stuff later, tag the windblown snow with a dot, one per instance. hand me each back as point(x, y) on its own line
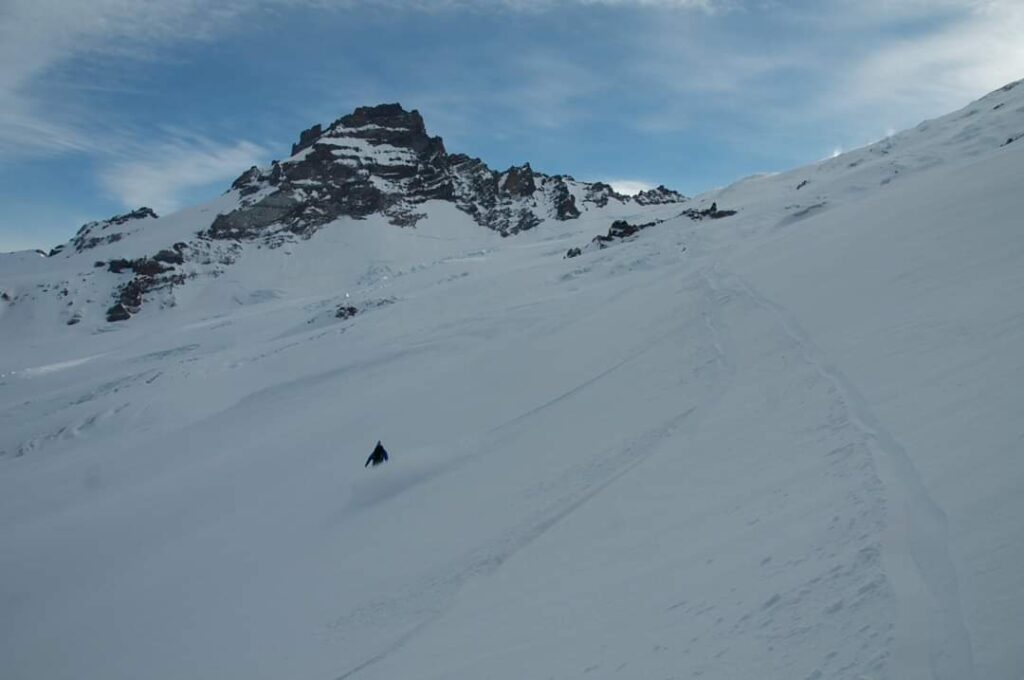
point(784, 444)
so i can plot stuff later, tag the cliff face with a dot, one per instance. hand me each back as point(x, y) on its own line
point(381, 160)
point(376, 162)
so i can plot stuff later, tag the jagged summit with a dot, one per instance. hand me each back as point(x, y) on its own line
point(383, 116)
point(381, 160)
point(659, 195)
point(375, 162)
point(377, 159)
point(379, 163)
point(97, 233)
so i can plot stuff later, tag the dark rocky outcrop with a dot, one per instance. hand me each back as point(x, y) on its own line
point(95, 233)
point(306, 138)
point(118, 313)
point(144, 266)
point(380, 160)
point(518, 182)
point(149, 274)
point(248, 182)
point(563, 201)
point(377, 159)
point(131, 295)
point(137, 214)
point(513, 201)
point(659, 196)
point(712, 213)
point(504, 202)
point(170, 257)
point(599, 193)
point(620, 230)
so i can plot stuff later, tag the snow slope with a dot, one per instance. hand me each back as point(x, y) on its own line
point(783, 444)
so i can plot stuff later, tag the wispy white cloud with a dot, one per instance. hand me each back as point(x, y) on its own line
point(929, 73)
point(629, 187)
point(869, 66)
point(686, 51)
point(977, 47)
point(174, 166)
point(37, 36)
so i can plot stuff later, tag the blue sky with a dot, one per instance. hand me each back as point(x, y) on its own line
point(112, 104)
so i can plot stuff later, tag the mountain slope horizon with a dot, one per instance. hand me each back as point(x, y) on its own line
point(770, 431)
point(378, 160)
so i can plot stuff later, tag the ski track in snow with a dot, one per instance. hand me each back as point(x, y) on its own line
point(673, 399)
point(784, 614)
point(926, 585)
point(845, 562)
point(565, 495)
point(597, 476)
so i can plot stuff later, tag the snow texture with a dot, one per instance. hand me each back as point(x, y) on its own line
point(781, 445)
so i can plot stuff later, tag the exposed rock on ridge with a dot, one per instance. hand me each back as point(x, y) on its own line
point(658, 196)
point(375, 160)
point(380, 159)
point(94, 234)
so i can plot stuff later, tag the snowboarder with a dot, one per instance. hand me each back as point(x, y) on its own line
point(714, 207)
point(379, 455)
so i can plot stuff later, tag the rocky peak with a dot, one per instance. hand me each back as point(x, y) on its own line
point(307, 137)
point(100, 232)
point(519, 181)
point(384, 115)
point(377, 159)
point(659, 195)
point(382, 124)
point(381, 160)
point(137, 214)
point(599, 193)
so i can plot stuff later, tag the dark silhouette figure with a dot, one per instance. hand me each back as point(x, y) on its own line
point(379, 455)
point(714, 208)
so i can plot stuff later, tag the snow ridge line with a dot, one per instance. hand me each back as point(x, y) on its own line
point(630, 357)
point(915, 548)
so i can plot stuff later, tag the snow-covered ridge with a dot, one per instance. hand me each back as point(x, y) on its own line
point(377, 160)
point(990, 125)
point(784, 444)
point(381, 160)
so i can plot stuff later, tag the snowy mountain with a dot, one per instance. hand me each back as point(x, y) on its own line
point(375, 162)
point(772, 431)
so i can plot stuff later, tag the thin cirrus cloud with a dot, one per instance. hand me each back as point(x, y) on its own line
point(979, 51)
point(158, 178)
point(39, 37)
point(848, 64)
point(977, 48)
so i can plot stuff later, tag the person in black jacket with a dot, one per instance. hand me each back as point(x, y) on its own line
point(379, 455)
